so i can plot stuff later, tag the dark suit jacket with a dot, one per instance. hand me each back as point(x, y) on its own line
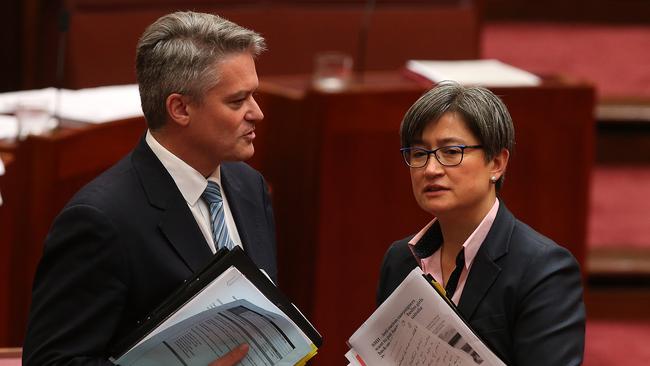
point(121, 246)
point(523, 295)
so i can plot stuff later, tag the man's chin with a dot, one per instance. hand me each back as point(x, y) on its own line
point(250, 151)
point(243, 155)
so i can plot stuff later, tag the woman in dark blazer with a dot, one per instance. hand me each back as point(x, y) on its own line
point(520, 291)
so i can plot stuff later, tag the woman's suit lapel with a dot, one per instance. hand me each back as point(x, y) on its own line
point(485, 268)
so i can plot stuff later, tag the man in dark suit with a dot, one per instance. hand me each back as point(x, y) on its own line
point(520, 291)
point(133, 235)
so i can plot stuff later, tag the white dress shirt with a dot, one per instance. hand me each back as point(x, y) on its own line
point(191, 184)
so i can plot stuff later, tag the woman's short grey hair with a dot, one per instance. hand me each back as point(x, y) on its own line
point(177, 54)
point(484, 113)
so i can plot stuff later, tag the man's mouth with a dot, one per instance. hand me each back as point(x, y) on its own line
point(250, 134)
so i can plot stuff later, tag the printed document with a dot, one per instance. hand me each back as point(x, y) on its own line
point(221, 317)
point(211, 334)
point(417, 326)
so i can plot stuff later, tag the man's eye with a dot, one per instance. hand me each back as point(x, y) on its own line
point(238, 102)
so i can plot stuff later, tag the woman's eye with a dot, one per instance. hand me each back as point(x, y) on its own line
point(451, 151)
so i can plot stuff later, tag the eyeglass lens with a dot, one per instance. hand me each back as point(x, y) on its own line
point(446, 155)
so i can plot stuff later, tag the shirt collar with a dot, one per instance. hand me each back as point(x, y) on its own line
point(189, 181)
point(428, 240)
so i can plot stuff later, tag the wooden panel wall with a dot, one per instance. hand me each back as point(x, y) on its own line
point(10, 33)
point(609, 11)
point(100, 44)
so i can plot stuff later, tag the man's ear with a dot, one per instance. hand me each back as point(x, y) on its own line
point(177, 109)
point(499, 163)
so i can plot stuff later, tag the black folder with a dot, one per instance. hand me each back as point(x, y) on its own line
point(221, 261)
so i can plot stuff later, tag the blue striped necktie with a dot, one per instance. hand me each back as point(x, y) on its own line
point(212, 196)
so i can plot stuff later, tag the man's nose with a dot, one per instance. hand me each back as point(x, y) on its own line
point(255, 112)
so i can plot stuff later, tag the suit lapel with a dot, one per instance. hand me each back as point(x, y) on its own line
point(244, 192)
point(180, 228)
point(241, 207)
point(485, 269)
point(176, 220)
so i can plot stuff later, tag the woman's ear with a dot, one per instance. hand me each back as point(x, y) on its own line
point(177, 109)
point(499, 163)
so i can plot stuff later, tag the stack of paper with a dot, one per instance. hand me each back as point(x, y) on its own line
point(99, 105)
point(473, 72)
point(8, 127)
point(91, 105)
point(418, 325)
point(229, 303)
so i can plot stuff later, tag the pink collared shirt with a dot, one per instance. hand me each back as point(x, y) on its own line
point(433, 265)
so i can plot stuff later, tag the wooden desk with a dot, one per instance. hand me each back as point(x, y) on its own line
point(7, 184)
point(44, 174)
point(342, 194)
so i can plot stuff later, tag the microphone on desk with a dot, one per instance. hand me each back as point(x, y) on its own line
point(362, 46)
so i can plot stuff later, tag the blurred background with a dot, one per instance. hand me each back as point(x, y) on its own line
point(580, 174)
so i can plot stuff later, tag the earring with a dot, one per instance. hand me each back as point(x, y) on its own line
point(493, 179)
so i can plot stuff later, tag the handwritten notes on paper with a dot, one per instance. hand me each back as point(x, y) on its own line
point(416, 326)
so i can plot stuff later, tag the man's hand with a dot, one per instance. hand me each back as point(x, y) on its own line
point(233, 357)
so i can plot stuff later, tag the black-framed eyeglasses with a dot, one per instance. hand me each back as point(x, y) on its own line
point(418, 157)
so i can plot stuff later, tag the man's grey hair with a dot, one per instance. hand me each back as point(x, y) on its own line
point(484, 113)
point(178, 54)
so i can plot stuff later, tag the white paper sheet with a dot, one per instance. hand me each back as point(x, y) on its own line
point(99, 105)
point(415, 326)
point(8, 127)
point(227, 288)
point(91, 105)
point(272, 339)
point(473, 72)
